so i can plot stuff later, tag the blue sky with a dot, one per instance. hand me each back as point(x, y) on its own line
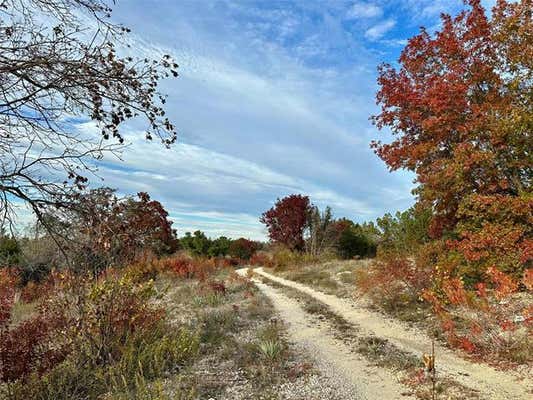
point(273, 98)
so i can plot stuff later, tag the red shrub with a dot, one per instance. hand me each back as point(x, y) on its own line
point(217, 287)
point(189, 268)
point(527, 279)
point(105, 312)
point(504, 284)
point(392, 276)
point(225, 262)
point(467, 345)
point(8, 281)
point(455, 291)
point(261, 259)
point(92, 317)
point(31, 346)
point(34, 291)
point(181, 267)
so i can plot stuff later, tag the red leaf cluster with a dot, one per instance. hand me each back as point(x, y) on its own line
point(455, 106)
point(31, 345)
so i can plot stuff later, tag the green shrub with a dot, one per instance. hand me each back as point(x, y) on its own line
point(68, 380)
point(10, 252)
point(353, 242)
point(155, 353)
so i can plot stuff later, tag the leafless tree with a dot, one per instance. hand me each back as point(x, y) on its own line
point(321, 231)
point(60, 61)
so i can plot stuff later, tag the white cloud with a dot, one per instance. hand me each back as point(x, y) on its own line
point(364, 10)
point(214, 224)
point(379, 30)
point(256, 119)
point(190, 169)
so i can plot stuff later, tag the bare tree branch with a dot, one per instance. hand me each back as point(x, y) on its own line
point(59, 62)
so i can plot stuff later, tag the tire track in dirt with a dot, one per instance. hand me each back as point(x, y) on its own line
point(333, 358)
point(491, 383)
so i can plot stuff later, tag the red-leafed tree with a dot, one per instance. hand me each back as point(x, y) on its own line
point(460, 107)
point(286, 221)
point(103, 230)
point(147, 225)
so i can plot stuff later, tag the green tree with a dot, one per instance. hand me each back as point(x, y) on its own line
point(355, 241)
point(404, 232)
point(243, 248)
point(197, 244)
point(219, 247)
point(10, 253)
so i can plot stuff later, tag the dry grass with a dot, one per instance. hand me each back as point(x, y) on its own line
point(333, 277)
point(244, 352)
point(22, 311)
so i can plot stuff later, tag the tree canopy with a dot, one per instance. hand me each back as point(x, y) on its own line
point(460, 106)
point(287, 220)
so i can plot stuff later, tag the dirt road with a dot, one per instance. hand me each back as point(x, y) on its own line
point(491, 383)
point(353, 376)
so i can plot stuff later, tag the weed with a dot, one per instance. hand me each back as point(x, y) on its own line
point(385, 354)
point(212, 299)
point(313, 277)
point(270, 350)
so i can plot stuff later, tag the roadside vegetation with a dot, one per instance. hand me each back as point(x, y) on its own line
point(462, 254)
point(157, 329)
point(491, 324)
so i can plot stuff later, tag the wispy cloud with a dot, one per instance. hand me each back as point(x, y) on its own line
point(380, 29)
point(273, 98)
point(364, 10)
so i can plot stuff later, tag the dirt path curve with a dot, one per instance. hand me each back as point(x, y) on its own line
point(491, 383)
point(353, 376)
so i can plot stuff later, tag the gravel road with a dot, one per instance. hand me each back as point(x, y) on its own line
point(345, 375)
point(489, 382)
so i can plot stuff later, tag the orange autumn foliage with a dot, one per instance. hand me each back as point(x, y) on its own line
point(459, 107)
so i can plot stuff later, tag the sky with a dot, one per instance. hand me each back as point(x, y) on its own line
point(272, 98)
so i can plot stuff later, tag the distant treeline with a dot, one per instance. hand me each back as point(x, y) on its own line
point(104, 230)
